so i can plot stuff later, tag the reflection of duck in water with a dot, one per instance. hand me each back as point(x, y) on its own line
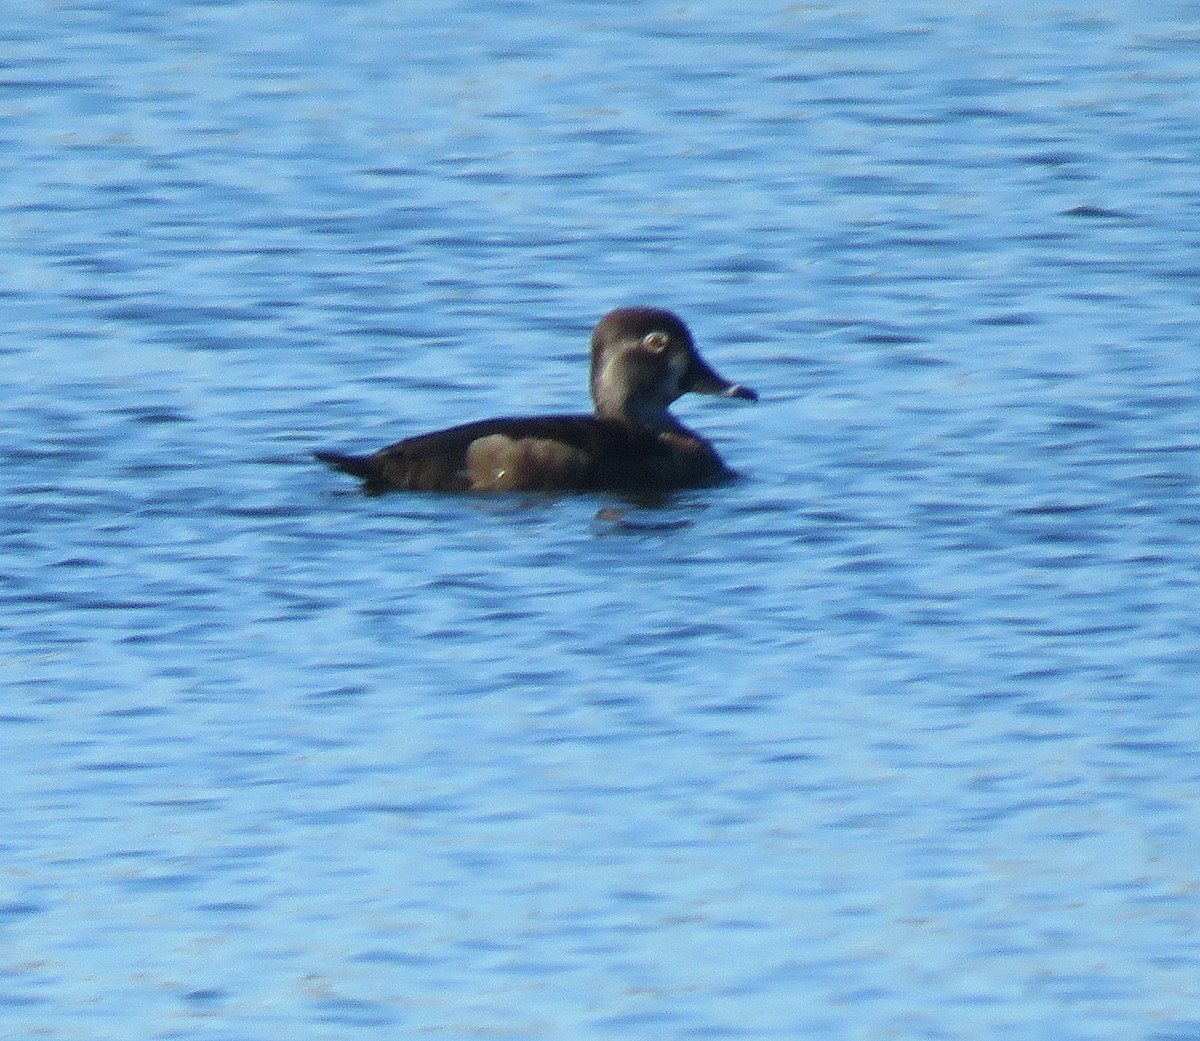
point(643, 358)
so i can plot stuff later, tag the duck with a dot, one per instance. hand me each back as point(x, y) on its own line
point(642, 360)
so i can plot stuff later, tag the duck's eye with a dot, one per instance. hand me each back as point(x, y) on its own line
point(656, 342)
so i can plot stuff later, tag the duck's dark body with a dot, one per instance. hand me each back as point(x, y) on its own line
point(548, 453)
point(642, 359)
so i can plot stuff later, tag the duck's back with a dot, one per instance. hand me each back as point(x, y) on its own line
point(549, 453)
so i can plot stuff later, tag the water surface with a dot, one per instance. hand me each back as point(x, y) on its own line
point(893, 738)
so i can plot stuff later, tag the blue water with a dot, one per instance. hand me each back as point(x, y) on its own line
point(894, 738)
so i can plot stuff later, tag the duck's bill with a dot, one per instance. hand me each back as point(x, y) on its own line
point(701, 379)
point(736, 390)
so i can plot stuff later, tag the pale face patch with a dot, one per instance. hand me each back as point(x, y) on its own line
point(659, 342)
point(677, 365)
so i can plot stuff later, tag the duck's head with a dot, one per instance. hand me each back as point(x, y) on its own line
point(644, 358)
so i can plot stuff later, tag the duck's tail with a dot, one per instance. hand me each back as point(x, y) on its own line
point(364, 467)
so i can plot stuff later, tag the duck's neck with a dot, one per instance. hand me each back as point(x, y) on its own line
point(641, 411)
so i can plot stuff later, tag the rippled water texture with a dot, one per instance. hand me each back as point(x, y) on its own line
point(894, 738)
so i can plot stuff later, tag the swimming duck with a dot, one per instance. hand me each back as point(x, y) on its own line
point(643, 358)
